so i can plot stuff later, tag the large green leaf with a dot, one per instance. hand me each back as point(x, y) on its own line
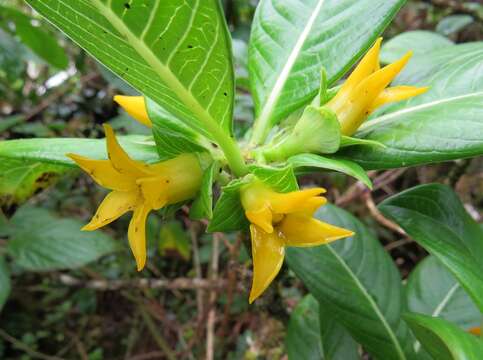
point(313, 333)
point(292, 39)
point(5, 285)
point(42, 242)
point(445, 123)
point(434, 291)
point(38, 40)
point(419, 41)
point(433, 216)
point(177, 53)
point(443, 340)
point(358, 283)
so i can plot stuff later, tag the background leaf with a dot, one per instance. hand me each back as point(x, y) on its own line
point(444, 124)
point(419, 41)
point(5, 285)
point(42, 43)
point(433, 216)
point(42, 242)
point(177, 54)
point(443, 340)
point(454, 23)
point(292, 39)
point(356, 280)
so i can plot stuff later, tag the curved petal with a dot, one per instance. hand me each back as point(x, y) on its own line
point(114, 205)
point(261, 218)
point(287, 203)
point(120, 160)
point(103, 173)
point(396, 93)
point(137, 235)
point(267, 252)
point(136, 107)
point(304, 231)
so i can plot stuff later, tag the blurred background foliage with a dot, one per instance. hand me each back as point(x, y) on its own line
point(77, 295)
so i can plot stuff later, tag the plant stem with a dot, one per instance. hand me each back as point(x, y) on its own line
point(163, 345)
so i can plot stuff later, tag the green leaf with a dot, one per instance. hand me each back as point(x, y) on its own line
point(229, 214)
point(280, 179)
point(346, 141)
point(40, 241)
point(454, 23)
point(53, 151)
point(292, 39)
point(171, 135)
point(434, 216)
point(174, 238)
point(444, 124)
point(5, 286)
point(309, 337)
point(433, 290)
point(303, 339)
point(12, 56)
point(39, 41)
point(176, 53)
point(420, 42)
point(320, 162)
point(359, 284)
point(443, 340)
point(202, 207)
point(337, 343)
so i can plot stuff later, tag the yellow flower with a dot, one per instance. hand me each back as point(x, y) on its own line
point(475, 331)
point(365, 90)
point(279, 220)
point(139, 188)
point(136, 107)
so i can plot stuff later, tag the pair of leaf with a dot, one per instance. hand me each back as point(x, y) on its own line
point(358, 285)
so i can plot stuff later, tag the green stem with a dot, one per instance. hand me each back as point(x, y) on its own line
point(260, 131)
point(231, 150)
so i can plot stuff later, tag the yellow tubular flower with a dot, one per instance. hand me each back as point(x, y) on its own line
point(136, 107)
point(279, 220)
point(475, 331)
point(365, 90)
point(138, 187)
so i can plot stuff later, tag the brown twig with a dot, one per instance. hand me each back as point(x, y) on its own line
point(108, 285)
point(379, 217)
point(210, 324)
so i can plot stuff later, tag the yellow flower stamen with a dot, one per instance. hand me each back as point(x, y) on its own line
point(136, 107)
point(139, 188)
point(365, 90)
point(279, 220)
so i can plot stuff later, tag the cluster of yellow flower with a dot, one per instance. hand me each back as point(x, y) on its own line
point(277, 219)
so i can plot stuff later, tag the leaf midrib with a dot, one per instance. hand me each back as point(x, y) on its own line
point(162, 70)
point(387, 118)
point(371, 301)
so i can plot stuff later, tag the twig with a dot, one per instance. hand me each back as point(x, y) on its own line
point(379, 217)
point(162, 343)
point(395, 244)
point(210, 325)
point(109, 285)
point(199, 275)
point(22, 346)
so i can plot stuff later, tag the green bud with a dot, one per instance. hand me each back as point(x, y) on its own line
point(317, 131)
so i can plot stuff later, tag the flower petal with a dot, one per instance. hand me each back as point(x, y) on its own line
point(114, 205)
point(396, 93)
point(267, 253)
point(261, 218)
point(304, 231)
point(103, 173)
point(120, 160)
point(286, 203)
point(137, 235)
point(136, 107)
point(154, 191)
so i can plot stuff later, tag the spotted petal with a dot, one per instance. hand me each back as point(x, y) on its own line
point(114, 205)
point(293, 201)
point(137, 235)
